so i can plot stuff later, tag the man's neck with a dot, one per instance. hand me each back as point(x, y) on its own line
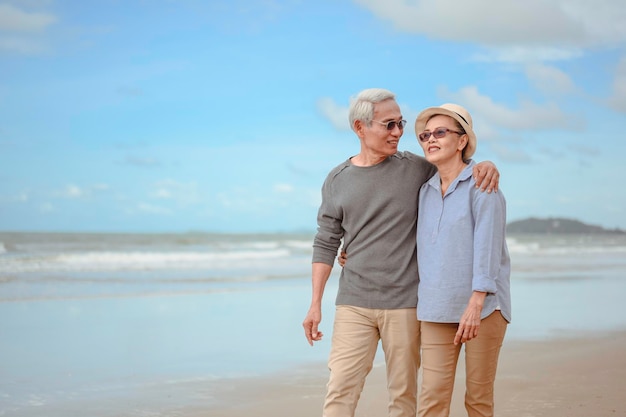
point(364, 159)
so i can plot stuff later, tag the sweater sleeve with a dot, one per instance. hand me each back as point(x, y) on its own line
point(329, 231)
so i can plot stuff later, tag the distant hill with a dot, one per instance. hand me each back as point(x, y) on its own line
point(556, 226)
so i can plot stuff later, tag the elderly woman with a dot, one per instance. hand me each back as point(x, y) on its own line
point(464, 268)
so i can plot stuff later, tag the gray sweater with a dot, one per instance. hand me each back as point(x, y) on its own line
point(374, 210)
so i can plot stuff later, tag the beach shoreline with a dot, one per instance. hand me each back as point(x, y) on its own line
point(190, 326)
point(579, 376)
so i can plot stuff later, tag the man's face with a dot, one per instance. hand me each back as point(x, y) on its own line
point(377, 138)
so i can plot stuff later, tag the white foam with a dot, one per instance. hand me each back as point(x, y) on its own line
point(142, 260)
point(566, 245)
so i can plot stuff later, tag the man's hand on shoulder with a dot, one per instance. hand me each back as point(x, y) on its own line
point(487, 176)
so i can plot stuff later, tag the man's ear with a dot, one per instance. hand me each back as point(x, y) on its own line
point(359, 128)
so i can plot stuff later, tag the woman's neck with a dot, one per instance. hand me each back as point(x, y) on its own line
point(448, 172)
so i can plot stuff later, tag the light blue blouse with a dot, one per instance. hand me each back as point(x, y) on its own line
point(461, 247)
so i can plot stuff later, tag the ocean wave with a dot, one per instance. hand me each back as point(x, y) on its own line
point(564, 245)
point(141, 260)
point(518, 247)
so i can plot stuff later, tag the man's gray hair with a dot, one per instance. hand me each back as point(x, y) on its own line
point(362, 106)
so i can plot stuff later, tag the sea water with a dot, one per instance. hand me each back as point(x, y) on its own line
point(144, 320)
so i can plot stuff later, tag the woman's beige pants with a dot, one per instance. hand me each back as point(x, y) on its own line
point(439, 363)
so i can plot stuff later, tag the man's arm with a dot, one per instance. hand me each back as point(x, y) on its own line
point(320, 274)
point(487, 176)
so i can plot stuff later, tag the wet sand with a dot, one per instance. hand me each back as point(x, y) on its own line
point(582, 376)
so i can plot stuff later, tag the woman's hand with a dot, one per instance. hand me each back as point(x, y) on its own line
point(342, 258)
point(470, 320)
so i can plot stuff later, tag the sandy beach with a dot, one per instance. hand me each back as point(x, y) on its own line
point(583, 376)
point(171, 326)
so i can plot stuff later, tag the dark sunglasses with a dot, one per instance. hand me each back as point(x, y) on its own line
point(438, 133)
point(392, 124)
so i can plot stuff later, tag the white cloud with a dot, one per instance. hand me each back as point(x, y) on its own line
point(508, 154)
point(141, 161)
point(244, 16)
point(152, 209)
point(578, 23)
point(180, 192)
point(225, 200)
point(46, 208)
point(529, 116)
point(15, 20)
point(549, 80)
point(101, 187)
point(335, 113)
point(243, 200)
point(24, 46)
point(283, 188)
point(513, 30)
point(73, 191)
point(517, 54)
point(23, 32)
point(585, 151)
point(313, 197)
point(618, 99)
point(603, 21)
point(162, 193)
point(21, 197)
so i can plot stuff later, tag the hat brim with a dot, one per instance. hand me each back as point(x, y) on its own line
point(425, 115)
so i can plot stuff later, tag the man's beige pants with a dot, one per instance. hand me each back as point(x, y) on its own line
point(356, 333)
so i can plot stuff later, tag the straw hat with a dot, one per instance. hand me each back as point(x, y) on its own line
point(459, 114)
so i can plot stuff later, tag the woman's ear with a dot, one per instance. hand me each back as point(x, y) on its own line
point(464, 138)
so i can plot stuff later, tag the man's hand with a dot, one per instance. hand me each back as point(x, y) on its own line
point(310, 323)
point(487, 176)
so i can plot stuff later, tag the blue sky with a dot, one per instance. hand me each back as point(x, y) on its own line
point(171, 116)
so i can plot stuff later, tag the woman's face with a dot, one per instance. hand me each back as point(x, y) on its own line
point(447, 148)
